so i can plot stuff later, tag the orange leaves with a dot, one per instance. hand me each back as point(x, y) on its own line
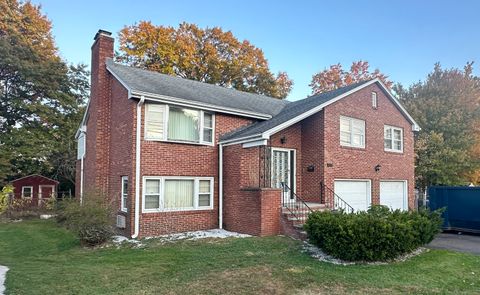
point(208, 55)
point(335, 77)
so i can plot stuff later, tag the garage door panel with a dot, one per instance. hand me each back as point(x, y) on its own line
point(355, 193)
point(393, 194)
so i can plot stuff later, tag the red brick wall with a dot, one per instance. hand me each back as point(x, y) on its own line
point(313, 154)
point(360, 163)
point(96, 162)
point(178, 159)
point(122, 149)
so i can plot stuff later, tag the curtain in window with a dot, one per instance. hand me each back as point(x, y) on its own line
point(152, 194)
point(183, 124)
point(178, 193)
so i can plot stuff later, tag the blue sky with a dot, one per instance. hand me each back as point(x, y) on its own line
point(402, 38)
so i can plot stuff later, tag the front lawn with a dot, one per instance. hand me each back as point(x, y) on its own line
point(46, 259)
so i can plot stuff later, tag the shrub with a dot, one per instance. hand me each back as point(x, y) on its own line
point(376, 235)
point(4, 197)
point(91, 221)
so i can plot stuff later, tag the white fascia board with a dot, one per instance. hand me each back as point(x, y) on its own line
point(307, 114)
point(415, 126)
point(121, 81)
point(199, 105)
point(241, 139)
point(258, 142)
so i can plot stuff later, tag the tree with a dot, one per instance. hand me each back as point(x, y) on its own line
point(40, 96)
point(208, 55)
point(336, 77)
point(447, 107)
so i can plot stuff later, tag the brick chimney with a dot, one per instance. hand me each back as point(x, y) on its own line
point(98, 125)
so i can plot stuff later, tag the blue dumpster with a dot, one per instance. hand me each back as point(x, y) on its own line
point(462, 206)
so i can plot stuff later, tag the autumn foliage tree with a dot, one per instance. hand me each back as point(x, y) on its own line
point(335, 77)
point(447, 107)
point(208, 55)
point(41, 97)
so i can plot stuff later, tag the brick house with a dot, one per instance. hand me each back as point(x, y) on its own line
point(178, 155)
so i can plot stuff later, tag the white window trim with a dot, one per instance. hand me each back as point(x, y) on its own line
point(351, 120)
point(165, 127)
point(123, 206)
point(374, 100)
point(385, 127)
point(31, 191)
point(162, 192)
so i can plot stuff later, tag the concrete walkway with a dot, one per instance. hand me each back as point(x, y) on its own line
point(461, 243)
point(3, 273)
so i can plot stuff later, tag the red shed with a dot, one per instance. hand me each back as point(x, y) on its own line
point(35, 187)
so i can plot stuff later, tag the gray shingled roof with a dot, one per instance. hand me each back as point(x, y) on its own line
point(290, 111)
point(152, 82)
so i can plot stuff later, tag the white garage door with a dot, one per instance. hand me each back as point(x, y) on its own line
point(393, 194)
point(355, 192)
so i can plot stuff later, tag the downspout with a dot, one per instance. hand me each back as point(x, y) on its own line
point(220, 186)
point(137, 167)
point(81, 180)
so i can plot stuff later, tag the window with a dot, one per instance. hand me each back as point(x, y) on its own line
point(81, 146)
point(124, 193)
point(352, 132)
point(393, 139)
point(154, 118)
point(27, 191)
point(177, 193)
point(170, 123)
point(374, 100)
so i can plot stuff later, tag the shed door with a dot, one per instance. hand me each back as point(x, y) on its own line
point(355, 192)
point(393, 194)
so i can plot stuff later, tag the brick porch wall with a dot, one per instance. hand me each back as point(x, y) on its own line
point(248, 208)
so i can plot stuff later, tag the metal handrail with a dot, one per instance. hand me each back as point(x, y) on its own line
point(296, 206)
point(338, 202)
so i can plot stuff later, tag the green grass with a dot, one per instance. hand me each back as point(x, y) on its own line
point(46, 259)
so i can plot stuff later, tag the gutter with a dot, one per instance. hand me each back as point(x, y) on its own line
point(137, 167)
point(220, 186)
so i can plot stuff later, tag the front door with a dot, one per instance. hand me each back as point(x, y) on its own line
point(45, 192)
point(283, 172)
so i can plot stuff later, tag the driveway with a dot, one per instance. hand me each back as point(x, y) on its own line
point(456, 242)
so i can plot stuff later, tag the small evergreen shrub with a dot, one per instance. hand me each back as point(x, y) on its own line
point(376, 235)
point(91, 221)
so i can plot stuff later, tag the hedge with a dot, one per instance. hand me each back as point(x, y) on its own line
point(376, 235)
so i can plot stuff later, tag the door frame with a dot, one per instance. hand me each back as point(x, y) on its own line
point(405, 191)
point(369, 188)
point(40, 197)
point(293, 170)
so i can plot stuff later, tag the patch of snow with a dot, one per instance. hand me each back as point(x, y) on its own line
point(317, 253)
point(119, 240)
point(46, 216)
point(201, 234)
point(3, 274)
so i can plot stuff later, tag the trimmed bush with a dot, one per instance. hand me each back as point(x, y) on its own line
point(91, 221)
point(376, 235)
